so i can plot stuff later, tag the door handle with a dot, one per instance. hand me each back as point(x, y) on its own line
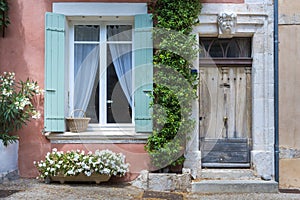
point(110, 101)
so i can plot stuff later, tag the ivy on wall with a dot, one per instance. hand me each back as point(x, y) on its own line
point(4, 19)
point(175, 84)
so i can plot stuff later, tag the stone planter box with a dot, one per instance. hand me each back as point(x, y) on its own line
point(97, 178)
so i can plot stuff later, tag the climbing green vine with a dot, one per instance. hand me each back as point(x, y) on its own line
point(4, 19)
point(175, 85)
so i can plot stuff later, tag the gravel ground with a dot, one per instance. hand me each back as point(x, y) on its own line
point(34, 189)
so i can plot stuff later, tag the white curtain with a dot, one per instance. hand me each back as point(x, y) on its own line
point(122, 59)
point(85, 69)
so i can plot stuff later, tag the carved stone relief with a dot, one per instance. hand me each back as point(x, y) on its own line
point(227, 24)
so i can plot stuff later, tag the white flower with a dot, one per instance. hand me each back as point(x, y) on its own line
point(6, 93)
point(46, 173)
point(36, 115)
point(106, 171)
point(40, 91)
point(76, 157)
point(88, 173)
point(75, 162)
point(70, 172)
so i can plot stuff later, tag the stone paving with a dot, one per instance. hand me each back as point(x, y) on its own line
point(35, 189)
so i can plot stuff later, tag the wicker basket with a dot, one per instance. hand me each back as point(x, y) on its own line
point(78, 124)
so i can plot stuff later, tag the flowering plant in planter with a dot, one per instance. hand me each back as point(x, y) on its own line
point(16, 106)
point(73, 163)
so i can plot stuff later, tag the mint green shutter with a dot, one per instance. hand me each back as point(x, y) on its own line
point(54, 72)
point(143, 72)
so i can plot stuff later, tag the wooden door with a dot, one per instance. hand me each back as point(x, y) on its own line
point(225, 115)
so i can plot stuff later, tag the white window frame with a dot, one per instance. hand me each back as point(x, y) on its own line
point(93, 11)
point(102, 63)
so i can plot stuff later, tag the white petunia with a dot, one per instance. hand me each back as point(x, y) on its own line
point(88, 173)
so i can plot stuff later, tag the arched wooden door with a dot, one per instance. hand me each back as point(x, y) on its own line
point(225, 102)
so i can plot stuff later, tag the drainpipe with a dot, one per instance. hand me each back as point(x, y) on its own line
point(276, 91)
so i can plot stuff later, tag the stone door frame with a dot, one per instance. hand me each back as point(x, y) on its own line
point(251, 20)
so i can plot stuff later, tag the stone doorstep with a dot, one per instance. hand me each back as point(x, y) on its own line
point(232, 181)
point(212, 181)
point(234, 186)
point(228, 174)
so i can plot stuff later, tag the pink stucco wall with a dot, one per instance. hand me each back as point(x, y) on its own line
point(22, 52)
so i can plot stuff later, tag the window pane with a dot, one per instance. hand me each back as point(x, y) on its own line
point(87, 32)
point(86, 65)
point(81, 52)
point(217, 49)
point(233, 50)
point(204, 45)
point(119, 83)
point(226, 48)
point(92, 110)
point(245, 46)
point(119, 32)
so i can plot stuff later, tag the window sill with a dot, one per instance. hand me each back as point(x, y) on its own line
point(105, 135)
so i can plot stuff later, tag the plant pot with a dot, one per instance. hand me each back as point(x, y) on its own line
point(8, 158)
point(97, 178)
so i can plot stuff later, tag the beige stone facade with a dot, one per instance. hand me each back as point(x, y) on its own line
point(289, 98)
point(253, 19)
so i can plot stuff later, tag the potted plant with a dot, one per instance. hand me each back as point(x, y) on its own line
point(16, 109)
point(78, 166)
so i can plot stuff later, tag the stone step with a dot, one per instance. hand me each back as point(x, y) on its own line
point(228, 174)
point(234, 186)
